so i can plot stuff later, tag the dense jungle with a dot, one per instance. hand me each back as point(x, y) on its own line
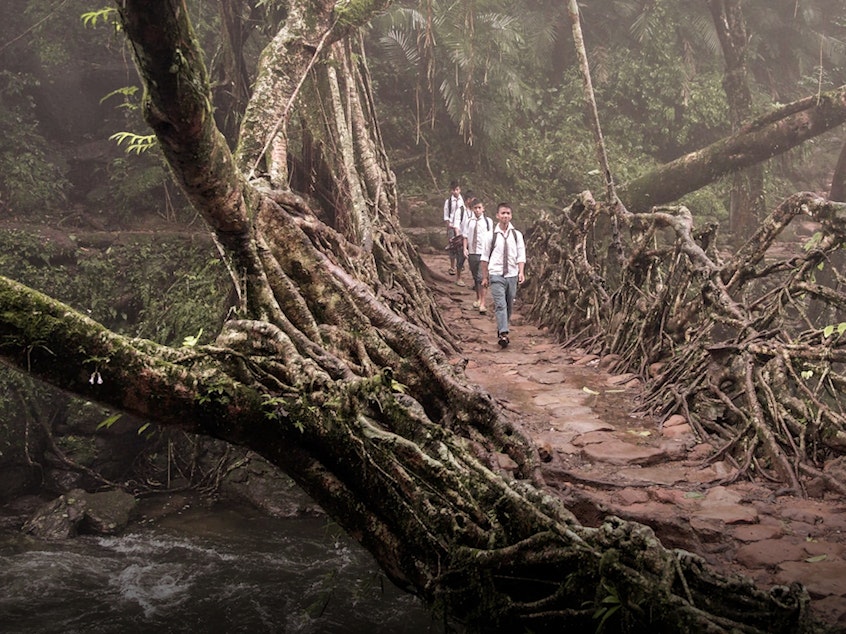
point(218, 227)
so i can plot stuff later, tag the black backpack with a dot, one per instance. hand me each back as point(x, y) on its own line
point(450, 201)
point(493, 242)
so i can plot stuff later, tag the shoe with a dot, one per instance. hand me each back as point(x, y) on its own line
point(476, 304)
point(482, 310)
point(451, 272)
point(460, 283)
point(503, 339)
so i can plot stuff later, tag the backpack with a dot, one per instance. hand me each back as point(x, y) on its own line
point(493, 242)
point(451, 200)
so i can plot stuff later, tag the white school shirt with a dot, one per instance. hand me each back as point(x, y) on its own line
point(456, 203)
point(483, 235)
point(516, 251)
point(459, 215)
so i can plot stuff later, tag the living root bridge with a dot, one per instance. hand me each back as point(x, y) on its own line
point(748, 345)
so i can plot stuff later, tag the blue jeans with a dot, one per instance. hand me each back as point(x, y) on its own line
point(503, 292)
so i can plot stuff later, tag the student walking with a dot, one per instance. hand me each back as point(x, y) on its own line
point(456, 223)
point(502, 269)
point(477, 232)
point(454, 201)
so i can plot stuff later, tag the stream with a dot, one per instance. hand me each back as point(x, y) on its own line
point(229, 570)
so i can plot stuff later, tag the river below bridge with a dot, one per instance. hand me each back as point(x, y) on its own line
point(216, 570)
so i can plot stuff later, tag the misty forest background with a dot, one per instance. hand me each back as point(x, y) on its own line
point(485, 91)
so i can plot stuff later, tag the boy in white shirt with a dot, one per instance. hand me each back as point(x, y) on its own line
point(454, 201)
point(502, 269)
point(477, 232)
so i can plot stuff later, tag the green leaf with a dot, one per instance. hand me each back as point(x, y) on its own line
point(191, 341)
point(111, 420)
point(134, 142)
point(828, 331)
point(92, 17)
point(143, 428)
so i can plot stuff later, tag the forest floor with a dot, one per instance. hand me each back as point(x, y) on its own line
point(603, 461)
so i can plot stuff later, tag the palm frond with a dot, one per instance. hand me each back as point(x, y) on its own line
point(400, 50)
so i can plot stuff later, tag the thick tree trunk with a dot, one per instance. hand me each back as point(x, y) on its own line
point(761, 139)
point(335, 369)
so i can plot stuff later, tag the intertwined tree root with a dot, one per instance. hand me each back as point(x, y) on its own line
point(749, 346)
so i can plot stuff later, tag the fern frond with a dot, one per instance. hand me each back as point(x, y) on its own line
point(134, 142)
point(90, 19)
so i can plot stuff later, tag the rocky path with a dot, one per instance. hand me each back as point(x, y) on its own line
point(604, 461)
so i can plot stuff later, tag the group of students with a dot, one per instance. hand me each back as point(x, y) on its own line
point(494, 251)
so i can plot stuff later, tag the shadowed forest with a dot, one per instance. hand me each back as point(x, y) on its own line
point(213, 214)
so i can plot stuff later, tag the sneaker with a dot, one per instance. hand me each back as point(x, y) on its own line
point(503, 339)
point(476, 304)
point(461, 283)
point(451, 272)
point(482, 310)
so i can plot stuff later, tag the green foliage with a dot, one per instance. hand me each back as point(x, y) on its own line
point(460, 73)
point(106, 16)
point(214, 393)
point(164, 291)
point(32, 176)
point(128, 93)
point(108, 422)
point(608, 607)
point(192, 340)
point(136, 143)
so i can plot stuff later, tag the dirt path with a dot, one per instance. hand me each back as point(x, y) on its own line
point(603, 461)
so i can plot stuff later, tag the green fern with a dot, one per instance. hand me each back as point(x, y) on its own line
point(90, 19)
point(134, 142)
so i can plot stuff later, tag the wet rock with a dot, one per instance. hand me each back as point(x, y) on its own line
point(108, 512)
point(265, 487)
point(104, 513)
point(58, 519)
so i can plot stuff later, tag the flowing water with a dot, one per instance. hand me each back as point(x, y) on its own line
point(221, 571)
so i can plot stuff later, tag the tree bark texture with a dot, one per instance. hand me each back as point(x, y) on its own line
point(336, 365)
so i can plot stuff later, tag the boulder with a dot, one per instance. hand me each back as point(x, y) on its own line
point(76, 511)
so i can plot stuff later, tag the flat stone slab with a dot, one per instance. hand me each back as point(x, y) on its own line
point(727, 506)
point(821, 578)
point(565, 412)
point(657, 474)
point(757, 532)
point(594, 437)
point(768, 553)
point(580, 426)
point(728, 513)
point(618, 452)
